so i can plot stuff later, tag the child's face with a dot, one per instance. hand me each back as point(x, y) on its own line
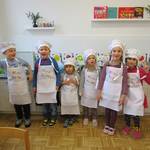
point(131, 62)
point(44, 52)
point(91, 60)
point(69, 69)
point(10, 53)
point(116, 54)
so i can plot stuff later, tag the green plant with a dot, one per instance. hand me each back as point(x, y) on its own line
point(148, 9)
point(33, 17)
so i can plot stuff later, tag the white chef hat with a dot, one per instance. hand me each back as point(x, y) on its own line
point(69, 61)
point(44, 43)
point(89, 52)
point(4, 46)
point(116, 43)
point(132, 53)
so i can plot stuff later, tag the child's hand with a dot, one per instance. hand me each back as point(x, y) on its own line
point(122, 99)
point(80, 93)
point(67, 82)
point(34, 90)
point(99, 95)
point(73, 81)
point(29, 77)
point(146, 67)
point(57, 87)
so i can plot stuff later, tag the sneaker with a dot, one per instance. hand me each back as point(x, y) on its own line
point(18, 123)
point(66, 123)
point(111, 131)
point(106, 129)
point(27, 123)
point(94, 123)
point(85, 121)
point(126, 130)
point(136, 134)
point(52, 122)
point(71, 121)
point(45, 122)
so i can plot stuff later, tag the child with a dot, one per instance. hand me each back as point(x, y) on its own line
point(87, 90)
point(69, 93)
point(134, 108)
point(15, 70)
point(46, 81)
point(112, 87)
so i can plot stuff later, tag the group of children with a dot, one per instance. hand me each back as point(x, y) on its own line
point(115, 87)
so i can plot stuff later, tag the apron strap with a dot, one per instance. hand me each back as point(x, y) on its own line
point(51, 64)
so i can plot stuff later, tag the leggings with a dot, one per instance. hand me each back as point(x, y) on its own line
point(136, 120)
point(110, 117)
point(87, 111)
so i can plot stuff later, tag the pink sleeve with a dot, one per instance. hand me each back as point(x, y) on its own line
point(124, 90)
point(102, 78)
point(147, 75)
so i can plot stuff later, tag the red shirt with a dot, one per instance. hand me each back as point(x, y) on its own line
point(144, 76)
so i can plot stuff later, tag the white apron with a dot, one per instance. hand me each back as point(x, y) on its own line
point(135, 97)
point(112, 88)
point(17, 84)
point(69, 97)
point(46, 84)
point(90, 90)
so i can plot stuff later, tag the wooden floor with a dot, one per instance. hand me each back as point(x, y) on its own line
point(77, 137)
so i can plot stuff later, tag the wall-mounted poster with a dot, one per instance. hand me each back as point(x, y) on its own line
point(100, 12)
point(138, 12)
point(112, 12)
point(126, 12)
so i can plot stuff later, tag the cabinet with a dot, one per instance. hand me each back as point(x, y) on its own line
point(6, 106)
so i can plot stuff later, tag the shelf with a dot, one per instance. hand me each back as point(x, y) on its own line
point(40, 28)
point(119, 20)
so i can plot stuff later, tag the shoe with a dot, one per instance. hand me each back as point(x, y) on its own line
point(106, 129)
point(111, 131)
point(18, 123)
point(126, 130)
point(94, 123)
point(66, 123)
point(27, 123)
point(52, 122)
point(45, 122)
point(71, 121)
point(85, 121)
point(136, 134)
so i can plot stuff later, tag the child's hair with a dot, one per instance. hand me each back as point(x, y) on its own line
point(126, 59)
point(131, 53)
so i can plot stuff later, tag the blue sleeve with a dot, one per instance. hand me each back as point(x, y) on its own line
point(34, 81)
point(57, 71)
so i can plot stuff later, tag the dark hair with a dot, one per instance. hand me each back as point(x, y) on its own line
point(126, 59)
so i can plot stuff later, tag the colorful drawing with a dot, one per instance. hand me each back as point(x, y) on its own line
point(126, 12)
point(112, 12)
point(100, 12)
point(138, 12)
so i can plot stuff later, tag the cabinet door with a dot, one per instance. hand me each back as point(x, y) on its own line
point(5, 105)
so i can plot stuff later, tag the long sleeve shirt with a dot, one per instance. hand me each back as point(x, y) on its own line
point(124, 90)
point(144, 76)
point(13, 63)
point(46, 61)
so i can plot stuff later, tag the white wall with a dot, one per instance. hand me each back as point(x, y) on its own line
point(74, 29)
